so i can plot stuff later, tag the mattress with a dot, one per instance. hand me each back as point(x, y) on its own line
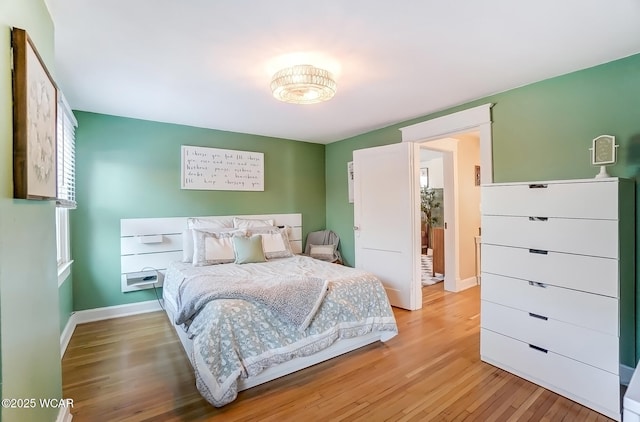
point(235, 339)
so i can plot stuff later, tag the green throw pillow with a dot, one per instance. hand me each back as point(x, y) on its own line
point(248, 249)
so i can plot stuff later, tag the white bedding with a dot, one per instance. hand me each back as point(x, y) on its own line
point(235, 339)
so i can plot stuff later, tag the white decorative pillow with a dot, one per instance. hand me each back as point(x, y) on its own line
point(187, 241)
point(245, 223)
point(187, 245)
point(275, 242)
point(322, 252)
point(210, 222)
point(210, 248)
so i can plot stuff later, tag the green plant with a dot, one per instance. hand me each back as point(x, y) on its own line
point(428, 203)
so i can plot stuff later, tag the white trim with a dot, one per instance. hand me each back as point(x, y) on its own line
point(99, 314)
point(476, 118)
point(65, 337)
point(108, 312)
point(473, 119)
point(467, 283)
point(63, 240)
point(65, 103)
point(64, 414)
point(441, 127)
point(64, 271)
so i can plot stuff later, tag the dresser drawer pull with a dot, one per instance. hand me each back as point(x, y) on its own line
point(538, 218)
point(538, 251)
point(537, 284)
point(539, 349)
point(537, 186)
point(544, 318)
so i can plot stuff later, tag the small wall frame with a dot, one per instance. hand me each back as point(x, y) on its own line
point(350, 181)
point(35, 102)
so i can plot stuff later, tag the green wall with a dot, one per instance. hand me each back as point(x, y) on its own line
point(129, 168)
point(540, 132)
point(30, 333)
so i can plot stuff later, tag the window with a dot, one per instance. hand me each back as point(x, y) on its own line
point(66, 156)
point(66, 135)
point(62, 236)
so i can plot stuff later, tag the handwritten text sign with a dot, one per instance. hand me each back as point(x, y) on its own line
point(221, 169)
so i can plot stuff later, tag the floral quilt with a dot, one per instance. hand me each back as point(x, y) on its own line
point(234, 339)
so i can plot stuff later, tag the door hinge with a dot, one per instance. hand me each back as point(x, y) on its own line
point(11, 57)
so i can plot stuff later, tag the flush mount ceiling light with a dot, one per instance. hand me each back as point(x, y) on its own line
point(303, 84)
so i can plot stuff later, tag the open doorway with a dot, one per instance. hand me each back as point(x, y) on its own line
point(431, 216)
point(478, 120)
point(456, 196)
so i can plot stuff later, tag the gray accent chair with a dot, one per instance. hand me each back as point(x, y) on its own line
point(324, 237)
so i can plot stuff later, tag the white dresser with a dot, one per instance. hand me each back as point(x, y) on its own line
point(558, 283)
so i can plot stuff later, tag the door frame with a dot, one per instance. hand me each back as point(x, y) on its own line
point(473, 119)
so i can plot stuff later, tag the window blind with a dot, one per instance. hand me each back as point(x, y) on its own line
point(66, 144)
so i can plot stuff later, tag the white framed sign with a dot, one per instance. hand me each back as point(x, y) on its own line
point(603, 150)
point(205, 168)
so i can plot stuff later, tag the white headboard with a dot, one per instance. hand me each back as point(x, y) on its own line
point(155, 242)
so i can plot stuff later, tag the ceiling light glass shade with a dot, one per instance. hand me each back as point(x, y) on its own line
point(303, 84)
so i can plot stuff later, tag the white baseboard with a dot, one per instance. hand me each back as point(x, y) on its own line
point(65, 337)
point(98, 314)
point(466, 283)
point(64, 415)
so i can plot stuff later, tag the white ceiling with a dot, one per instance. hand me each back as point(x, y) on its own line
point(208, 63)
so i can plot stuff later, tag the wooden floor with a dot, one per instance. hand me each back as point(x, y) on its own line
point(134, 369)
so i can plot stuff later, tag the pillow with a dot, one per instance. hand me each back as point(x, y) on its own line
point(245, 223)
point(210, 248)
point(275, 242)
point(187, 241)
point(210, 223)
point(248, 249)
point(187, 245)
point(323, 252)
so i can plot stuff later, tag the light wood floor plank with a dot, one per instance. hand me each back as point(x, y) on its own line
point(134, 369)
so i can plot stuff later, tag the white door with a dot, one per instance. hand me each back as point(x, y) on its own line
point(387, 219)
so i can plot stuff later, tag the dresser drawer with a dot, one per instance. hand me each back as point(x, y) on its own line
point(588, 346)
point(594, 312)
point(579, 272)
point(578, 236)
point(552, 199)
point(590, 386)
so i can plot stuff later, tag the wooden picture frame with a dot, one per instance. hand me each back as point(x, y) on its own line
point(35, 107)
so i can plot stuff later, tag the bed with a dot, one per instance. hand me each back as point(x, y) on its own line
point(243, 324)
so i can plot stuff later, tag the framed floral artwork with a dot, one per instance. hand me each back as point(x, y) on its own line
point(35, 101)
